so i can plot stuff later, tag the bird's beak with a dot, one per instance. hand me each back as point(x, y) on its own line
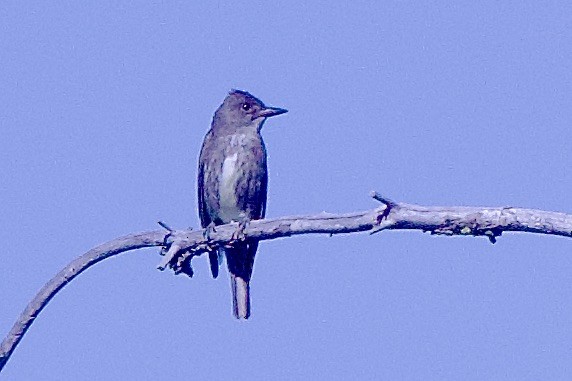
point(271, 111)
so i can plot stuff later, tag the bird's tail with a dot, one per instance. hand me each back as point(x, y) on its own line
point(215, 258)
point(240, 259)
point(240, 296)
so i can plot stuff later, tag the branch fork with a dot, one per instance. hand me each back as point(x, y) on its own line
point(177, 255)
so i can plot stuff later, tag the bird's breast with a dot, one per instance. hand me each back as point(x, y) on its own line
point(228, 202)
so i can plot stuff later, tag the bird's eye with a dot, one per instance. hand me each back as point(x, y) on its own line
point(246, 106)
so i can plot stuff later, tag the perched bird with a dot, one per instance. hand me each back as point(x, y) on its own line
point(232, 184)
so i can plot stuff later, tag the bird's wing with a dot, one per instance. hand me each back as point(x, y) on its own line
point(257, 188)
point(203, 212)
point(264, 192)
point(203, 177)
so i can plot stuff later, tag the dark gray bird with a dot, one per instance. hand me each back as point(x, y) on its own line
point(232, 184)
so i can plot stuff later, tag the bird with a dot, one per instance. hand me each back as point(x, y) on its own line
point(233, 183)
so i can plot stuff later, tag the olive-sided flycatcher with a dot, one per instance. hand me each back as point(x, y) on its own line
point(232, 184)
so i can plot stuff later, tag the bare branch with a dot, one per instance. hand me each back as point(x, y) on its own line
point(66, 275)
point(179, 246)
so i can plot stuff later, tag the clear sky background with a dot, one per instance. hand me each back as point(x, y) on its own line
point(103, 107)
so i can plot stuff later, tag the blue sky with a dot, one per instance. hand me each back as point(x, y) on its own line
point(103, 110)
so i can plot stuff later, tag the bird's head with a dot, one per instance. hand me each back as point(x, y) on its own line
point(241, 109)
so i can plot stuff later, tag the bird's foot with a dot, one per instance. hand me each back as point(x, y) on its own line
point(208, 231)
point(243, 222)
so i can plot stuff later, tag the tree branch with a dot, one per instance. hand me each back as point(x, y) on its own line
point(66, 275)
point(179, 246)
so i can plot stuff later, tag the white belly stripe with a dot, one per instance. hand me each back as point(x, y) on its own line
point(230, 172)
